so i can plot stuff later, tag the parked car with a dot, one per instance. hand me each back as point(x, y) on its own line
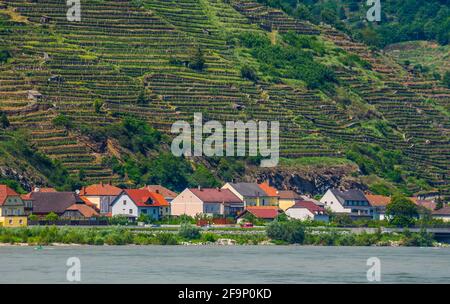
point(247, 225)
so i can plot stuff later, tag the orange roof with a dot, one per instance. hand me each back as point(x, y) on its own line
point(141, 196)
point(271, 191)
point(5, 191)
point(85, 210)
point(26, 197)
point(88, 202)
point(44, 190)
point(378, 200)
point(100, 190)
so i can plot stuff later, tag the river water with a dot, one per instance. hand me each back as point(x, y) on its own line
point(227, 264)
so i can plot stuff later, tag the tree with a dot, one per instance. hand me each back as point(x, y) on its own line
point(401, 211)
point(142, 99)
point(51, 217)
point(4, 56)
point(203, 177)
point(97, 105)
point(4, 121)
point(249, 73)
point(198, 60)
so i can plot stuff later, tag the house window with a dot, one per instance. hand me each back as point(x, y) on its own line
point(144, 211)
point(154, 211)
point(10, 222)
point(130, 211)
point(124, 202)
point(20, 222)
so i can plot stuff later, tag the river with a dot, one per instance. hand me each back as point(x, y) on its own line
point(226, 264)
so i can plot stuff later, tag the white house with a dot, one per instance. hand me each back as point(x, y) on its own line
point(134, 202)
point(304, 210)
point(351, 202)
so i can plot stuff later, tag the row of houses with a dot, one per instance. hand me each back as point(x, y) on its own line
point(235, 200)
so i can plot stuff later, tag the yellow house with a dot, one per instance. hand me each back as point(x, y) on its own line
point(287, 199)
point(12, 213)
point(251, 194)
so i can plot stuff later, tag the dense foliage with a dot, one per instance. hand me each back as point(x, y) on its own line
point(292, 59)
point(401, 211)
point(400, 20)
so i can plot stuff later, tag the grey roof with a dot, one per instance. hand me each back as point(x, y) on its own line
point(58, 202)
point(349, 195)
point(248, 189)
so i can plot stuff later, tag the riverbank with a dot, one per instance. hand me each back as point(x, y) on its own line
point(72, 236)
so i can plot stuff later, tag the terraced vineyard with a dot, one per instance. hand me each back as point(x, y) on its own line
point(123, 48)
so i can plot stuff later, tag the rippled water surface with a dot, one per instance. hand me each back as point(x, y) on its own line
point(232, 264)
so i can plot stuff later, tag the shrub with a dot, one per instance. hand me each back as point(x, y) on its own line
point(166, 239)
point(4, 121)
point(51, 217)
point(189, 232)
point(62, 121)
point(4, 56)
point(446, 79)
point(292, 232)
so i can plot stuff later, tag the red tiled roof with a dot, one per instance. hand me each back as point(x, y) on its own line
point(264, 212)
point(378, 200)
point(443, 211)
point(141, 196)
point(311, 206)
point(161, 190)
point(44, 190)
point(271, 191)
point(85, 210)
point(430, 205)
point(5, 191)
point(100, 190)
point(213, 195)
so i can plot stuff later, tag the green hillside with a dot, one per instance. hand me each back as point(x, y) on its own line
point(160, 61)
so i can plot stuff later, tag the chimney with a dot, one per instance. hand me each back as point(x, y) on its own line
point(199, 187)
point(157, 191)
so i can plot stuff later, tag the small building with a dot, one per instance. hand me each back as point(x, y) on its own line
point(307, 210)
point(287, 199)
point(379, 204)
point(101, 195)
point(351, 202)
point(60, 203)
point(442, 214)
point(12, 208)
point(79, 211)
point(34, 95)
point(427, 204)
point(266, 213)
point(134, 202)
point(250, 193)
point(168, 194)
point(211, 201)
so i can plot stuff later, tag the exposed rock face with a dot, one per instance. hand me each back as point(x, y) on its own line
point(27, 182)
point(308, 180)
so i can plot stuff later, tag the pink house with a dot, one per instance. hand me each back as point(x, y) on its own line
point(210, 201)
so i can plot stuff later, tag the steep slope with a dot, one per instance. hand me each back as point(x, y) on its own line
point(123, 49)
